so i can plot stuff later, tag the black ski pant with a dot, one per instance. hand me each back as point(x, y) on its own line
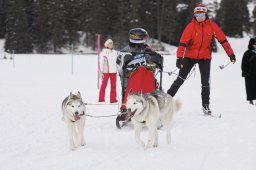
point(204, 67)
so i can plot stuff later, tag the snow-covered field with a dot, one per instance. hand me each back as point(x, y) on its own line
point(33, 137)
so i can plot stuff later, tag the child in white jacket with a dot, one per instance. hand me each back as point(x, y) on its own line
point(108, 69)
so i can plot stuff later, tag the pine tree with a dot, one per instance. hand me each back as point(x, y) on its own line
point(212, 8)
point(2, 18)
point(183, 15)
point(169, 22)
point(50, 32)
point(42, 26)
point(73, 12)
point(30, 11)
point(190, 10)
point(254, 21)
point(18, 38)
point(97, 23)
point(47, 25)
point(112, 17)
point(245, 15)
point(123, 25)
point(233, 18)
point(58, 35)
point(135, 20)
point(160, 8)
point(11, 39)
point(85, 19)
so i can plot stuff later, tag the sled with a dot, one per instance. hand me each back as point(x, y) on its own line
point(143, 79)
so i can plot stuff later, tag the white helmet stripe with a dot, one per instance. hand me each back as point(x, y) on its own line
point(137, 41)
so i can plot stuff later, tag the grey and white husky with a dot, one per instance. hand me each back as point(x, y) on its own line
point(73, 109)
point(151, 110)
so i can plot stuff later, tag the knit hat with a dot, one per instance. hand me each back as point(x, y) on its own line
point(251, 43)
point(200, 8)
point(108, 44)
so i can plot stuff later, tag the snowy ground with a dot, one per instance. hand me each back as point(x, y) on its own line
point(33, 137)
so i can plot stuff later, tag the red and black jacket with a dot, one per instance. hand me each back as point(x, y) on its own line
point(195, 42)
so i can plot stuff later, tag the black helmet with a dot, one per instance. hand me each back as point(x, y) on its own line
point(138, 36)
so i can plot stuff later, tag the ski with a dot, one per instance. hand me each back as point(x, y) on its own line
point(213, 115)
point(208, 112)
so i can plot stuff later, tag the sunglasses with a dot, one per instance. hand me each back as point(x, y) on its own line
point(200, 15)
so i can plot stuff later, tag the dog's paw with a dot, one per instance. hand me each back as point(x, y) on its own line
point(149, 145)
point(142, 145)
point(83, 144)
point(140, 142)
point(155, 146)
point(72, 148)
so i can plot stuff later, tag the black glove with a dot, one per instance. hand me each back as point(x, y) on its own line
point(179, 63)
point(232, 58)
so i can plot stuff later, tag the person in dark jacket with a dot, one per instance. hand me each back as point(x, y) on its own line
point(195, 48)
point(249, 70)
point(137, 53)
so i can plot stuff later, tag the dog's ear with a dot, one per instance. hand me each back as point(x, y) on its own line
point(79, 94)
point(130, 92)
point(70, 95)
point(140, 93)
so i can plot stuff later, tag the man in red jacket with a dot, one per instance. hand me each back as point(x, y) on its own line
point(195, 48)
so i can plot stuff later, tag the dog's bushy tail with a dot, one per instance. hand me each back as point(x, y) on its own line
point(177, 105)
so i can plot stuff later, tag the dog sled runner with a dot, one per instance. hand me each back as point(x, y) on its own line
point(145, 79)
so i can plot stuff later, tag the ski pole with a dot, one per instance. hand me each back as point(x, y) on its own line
point(171, 72)
point(223, 66)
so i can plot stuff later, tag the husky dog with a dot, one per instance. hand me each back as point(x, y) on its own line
point(151, 110)
point(73, 109)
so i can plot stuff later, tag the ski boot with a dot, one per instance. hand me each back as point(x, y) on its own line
point(251, 102)
point(207, 111)
point(122, 118)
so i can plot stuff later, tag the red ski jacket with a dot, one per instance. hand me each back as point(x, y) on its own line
point(195, 42)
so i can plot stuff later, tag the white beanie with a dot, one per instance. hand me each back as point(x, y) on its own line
point(200, 8)
point(108, 44)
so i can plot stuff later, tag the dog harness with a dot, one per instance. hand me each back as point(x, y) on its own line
point(145, 119)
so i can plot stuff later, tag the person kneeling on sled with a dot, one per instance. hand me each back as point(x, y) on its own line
point(136, 54)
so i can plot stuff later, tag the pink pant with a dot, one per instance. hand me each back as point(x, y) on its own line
point(112, 77)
